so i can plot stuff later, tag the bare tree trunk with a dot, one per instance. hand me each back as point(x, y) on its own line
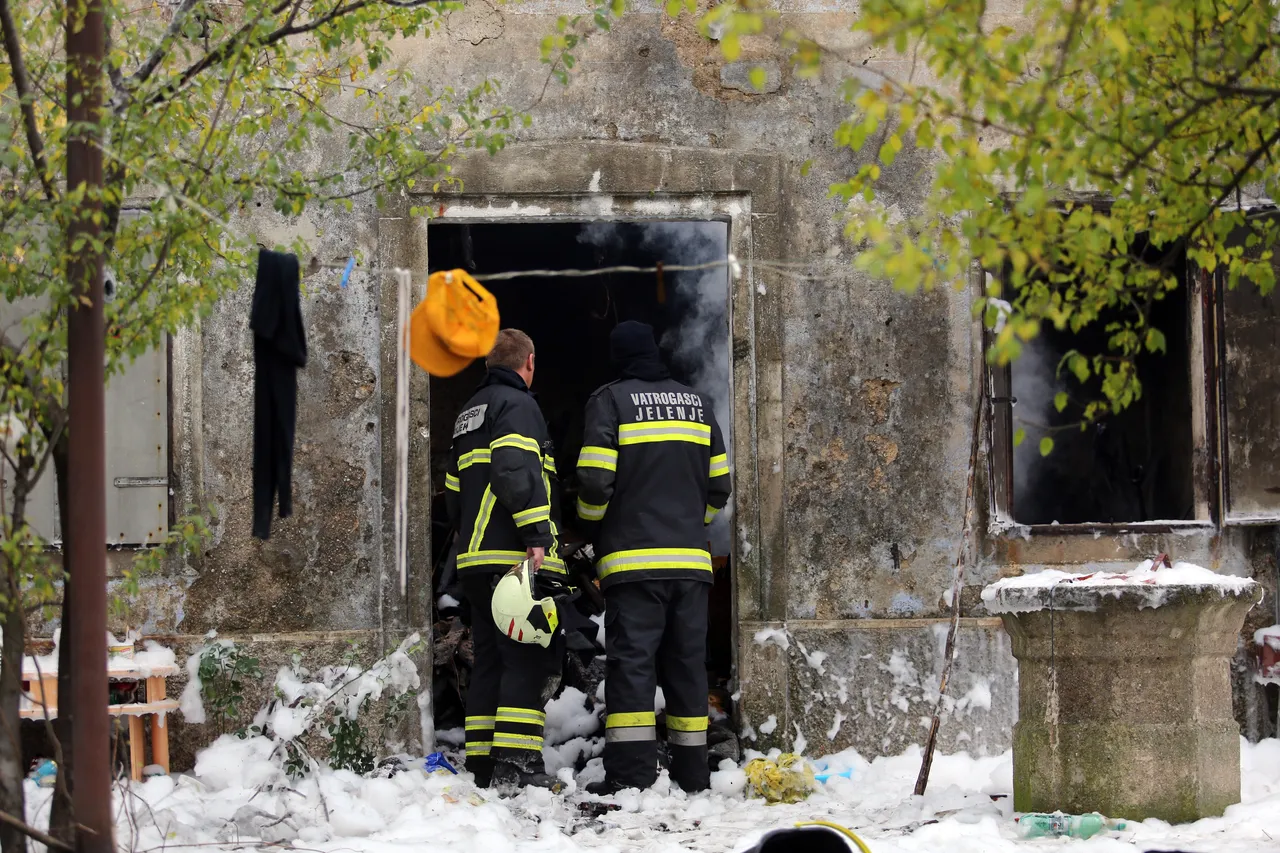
point(61, 824)
point(12, 771)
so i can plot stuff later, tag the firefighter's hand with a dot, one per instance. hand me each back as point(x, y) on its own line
point(536, 556)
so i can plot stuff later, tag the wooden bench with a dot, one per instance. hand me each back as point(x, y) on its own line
point(42, 690)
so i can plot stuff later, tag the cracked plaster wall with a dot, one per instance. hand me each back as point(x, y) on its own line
point(870, 418)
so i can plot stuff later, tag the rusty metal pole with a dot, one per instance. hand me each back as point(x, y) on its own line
point(86, 451)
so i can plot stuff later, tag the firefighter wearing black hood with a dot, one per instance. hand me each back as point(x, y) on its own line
point(652, 473)
point(500, 497)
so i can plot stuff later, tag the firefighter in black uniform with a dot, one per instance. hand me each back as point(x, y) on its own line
point(500, 496)
point(652, 473)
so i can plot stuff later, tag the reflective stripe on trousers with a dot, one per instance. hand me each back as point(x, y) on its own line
point(479, 735)
point(687, 731)
point(519, 728)
point(636, 726)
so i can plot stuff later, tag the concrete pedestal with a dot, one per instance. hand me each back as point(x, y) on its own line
point(1124, 707)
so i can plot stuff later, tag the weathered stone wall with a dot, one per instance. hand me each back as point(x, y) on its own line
point(852, 402)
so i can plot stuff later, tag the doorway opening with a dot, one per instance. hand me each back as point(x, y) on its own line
point(569, 320)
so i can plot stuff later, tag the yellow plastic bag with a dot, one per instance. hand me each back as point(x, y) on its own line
point(788, 780)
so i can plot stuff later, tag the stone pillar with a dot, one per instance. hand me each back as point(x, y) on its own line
point(1124, 707)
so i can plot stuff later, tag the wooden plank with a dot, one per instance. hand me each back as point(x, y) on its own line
point(139, 709)
point(155, 688)
point(118, 674)
point(137, 758)
point(160, 741)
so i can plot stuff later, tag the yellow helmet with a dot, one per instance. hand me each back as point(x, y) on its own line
point(518, 614)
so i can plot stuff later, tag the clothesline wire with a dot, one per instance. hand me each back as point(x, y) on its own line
point(565, 273)
point(797, 269)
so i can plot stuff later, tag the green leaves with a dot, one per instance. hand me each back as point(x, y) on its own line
point(259, 105)
point(1046, 446)
point(1074, 158)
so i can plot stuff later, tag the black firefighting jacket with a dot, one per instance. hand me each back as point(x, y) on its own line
point(652, 473)
point(499, 486)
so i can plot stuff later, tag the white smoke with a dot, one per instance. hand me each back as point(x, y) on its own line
point(699, 339)
point(1035, 383)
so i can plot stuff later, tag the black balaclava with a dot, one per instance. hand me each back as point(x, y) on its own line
point(634, 352)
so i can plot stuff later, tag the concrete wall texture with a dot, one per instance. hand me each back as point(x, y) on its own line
point(852, 410)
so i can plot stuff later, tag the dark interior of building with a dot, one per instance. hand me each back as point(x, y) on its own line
point(1128, 467)
point(569, 320)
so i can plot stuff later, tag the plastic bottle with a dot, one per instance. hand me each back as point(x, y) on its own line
point(1057, 825)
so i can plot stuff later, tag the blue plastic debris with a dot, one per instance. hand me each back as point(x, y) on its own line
point(45, 774)
point(346, 273)
point(842, 774)
point(437, 761)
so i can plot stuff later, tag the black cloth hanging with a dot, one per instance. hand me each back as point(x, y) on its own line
point(279, 349)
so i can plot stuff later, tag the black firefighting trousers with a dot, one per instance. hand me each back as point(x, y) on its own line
point(511, 684)
point(656, 632)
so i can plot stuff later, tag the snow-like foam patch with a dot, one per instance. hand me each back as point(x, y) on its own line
point(1023, 593)
point(238, 799)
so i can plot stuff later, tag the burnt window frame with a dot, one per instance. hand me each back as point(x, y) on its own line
point(1205, 381)
point(1215, 289)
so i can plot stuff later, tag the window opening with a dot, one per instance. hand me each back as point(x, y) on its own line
point(1131, 467)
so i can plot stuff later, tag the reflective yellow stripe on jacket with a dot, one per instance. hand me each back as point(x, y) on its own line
point(719, 465)
point(487, 502)
point(591, 512)
point(532, 515)
point(654, 559)
point(521, 442)
point(598, 457)
point(651, 431)
point(474, 457)
point(473, 559)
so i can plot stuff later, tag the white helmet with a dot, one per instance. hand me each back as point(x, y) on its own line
point(518, 614)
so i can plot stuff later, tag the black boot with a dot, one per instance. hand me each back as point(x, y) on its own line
point(603, 788)
point(481, 766)
point(510, 779)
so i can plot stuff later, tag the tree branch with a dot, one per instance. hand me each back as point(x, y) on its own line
point(57, 413)
point(147, 68)
point(113, 70)
point(228, 47)
point(35, 834)
point(22, 85)
point(161, 260)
